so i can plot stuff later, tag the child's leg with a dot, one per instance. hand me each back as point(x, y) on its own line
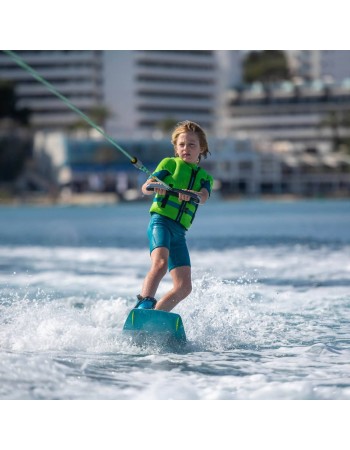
point(159, 267)
point(182, 287)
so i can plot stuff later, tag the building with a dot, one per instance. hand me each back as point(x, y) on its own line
point(265, 141)
point(253, 168)
point(141, 89)
point(78, 164)
point(78, 75)
point(310, 65)
point(295, 112)
point(145, 88)
point(240, 167)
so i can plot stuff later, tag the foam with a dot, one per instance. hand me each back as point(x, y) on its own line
point(262, 323)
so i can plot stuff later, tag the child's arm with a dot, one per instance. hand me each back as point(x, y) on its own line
point(203, 194)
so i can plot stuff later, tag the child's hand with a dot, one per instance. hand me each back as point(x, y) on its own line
point(187, 198)
point(184, 197)
point(160, 190)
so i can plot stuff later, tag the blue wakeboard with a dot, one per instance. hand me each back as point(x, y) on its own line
point(150, 326)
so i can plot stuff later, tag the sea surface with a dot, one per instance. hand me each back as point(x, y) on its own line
point(268, 317)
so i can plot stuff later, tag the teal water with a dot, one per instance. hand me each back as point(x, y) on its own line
point(268, 318)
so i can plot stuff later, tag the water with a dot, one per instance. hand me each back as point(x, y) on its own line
point(268, 318)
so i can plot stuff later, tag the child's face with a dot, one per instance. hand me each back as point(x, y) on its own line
point(187, 147)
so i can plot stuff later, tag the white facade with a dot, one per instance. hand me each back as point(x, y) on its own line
point(229, 75)
point(118, 92)
point(331, 65)
point(144, 88)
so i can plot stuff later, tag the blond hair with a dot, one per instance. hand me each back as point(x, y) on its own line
point(189, 126)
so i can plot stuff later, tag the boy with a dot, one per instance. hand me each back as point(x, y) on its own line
point(171, 217)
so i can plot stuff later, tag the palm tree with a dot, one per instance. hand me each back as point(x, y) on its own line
point(167, 124)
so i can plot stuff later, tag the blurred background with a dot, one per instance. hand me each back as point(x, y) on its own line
point(278, 122)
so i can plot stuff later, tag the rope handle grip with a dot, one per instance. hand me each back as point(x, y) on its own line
point(176, 192)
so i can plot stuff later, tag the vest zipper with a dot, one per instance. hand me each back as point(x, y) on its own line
point(190, 186)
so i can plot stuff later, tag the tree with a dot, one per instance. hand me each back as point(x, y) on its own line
point(14, 149)
point(14, 153)
point(266, 66)
point(335, 120)
point(166, 125)
point(8, 104)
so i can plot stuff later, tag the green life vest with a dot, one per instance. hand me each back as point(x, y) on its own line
point(181, 175)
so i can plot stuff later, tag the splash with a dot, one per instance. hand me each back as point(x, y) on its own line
point(226, 314)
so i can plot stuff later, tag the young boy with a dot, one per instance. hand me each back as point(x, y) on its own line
point(172, 216)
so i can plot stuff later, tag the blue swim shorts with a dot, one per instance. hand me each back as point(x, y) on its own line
point(164, 232)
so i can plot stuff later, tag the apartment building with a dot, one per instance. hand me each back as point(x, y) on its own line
point(78, 75)
point(145, 88)
point(294, 112)
point(141, 89)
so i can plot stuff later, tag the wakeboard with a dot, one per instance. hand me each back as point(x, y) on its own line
point(150, 326)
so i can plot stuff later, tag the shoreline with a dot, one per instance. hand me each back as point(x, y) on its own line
point(94, 199)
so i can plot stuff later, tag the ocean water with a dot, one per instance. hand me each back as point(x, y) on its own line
point(268, 317)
